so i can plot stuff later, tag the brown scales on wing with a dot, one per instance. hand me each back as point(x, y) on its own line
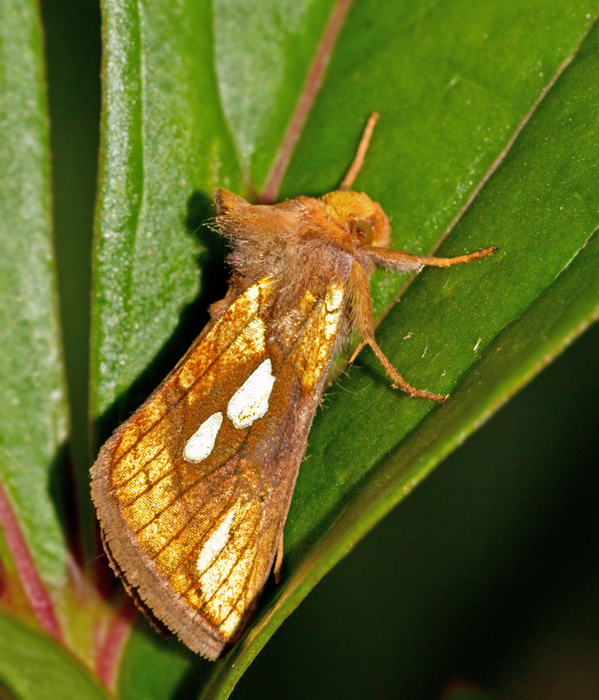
point(196, 537)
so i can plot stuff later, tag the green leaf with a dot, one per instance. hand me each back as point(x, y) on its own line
point(32, 411)
point(173, 672)
point(34, 668)
point(454, 84)
point(261, 60)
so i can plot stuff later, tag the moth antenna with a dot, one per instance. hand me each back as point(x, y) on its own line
point(358, 161)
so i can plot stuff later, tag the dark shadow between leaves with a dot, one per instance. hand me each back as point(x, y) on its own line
point(64, 494)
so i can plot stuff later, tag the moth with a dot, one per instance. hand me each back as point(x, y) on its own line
point(192, 491)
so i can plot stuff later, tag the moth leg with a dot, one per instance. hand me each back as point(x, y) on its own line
point(400, 260)
point(357, 351)
point(363, 318)
point(358, 161)
point(279, 560)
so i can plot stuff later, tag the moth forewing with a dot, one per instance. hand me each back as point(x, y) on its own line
point(192, 492)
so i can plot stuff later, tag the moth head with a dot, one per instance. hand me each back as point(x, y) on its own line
point(363, 219)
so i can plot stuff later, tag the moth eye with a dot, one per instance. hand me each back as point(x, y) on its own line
point(364, 228)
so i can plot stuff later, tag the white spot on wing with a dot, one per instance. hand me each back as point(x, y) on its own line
point(215, 544)
point(250, 401)
point(334, 297)
point(201, 443)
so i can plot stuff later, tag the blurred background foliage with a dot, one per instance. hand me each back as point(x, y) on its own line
point(488, 573)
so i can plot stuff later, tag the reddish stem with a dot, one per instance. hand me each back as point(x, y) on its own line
point(36, 592)
point(110, 646)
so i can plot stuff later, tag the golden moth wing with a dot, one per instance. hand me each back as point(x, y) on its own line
point(193, 490)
